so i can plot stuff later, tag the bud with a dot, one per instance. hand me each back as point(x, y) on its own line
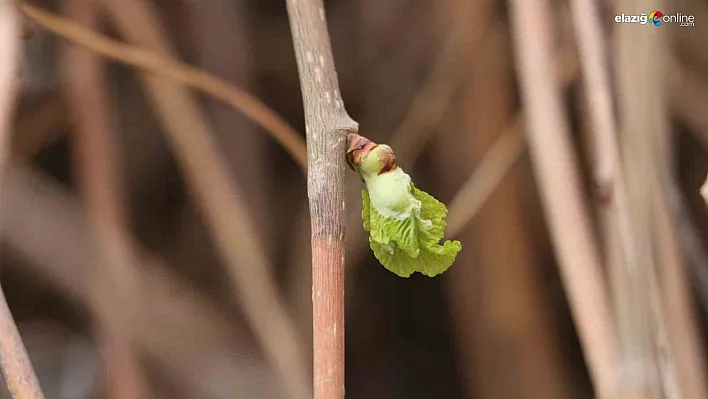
point(369, 158)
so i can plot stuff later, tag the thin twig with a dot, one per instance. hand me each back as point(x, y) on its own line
point(220, 199)
point(629, 291)
point(558, 178)
point(177, 327)
point(113, 281)
point(253, 108)
point(327, 126)
point(429, 105)
point(498, 160)
point(16, 367)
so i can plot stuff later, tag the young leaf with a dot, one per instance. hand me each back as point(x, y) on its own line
point(405, 224)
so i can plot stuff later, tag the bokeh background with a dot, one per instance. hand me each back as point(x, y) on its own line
point(119, 283)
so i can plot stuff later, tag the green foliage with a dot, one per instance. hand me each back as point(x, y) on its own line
point(411, 243)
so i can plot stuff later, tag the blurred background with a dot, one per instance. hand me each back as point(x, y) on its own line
point(128, 279)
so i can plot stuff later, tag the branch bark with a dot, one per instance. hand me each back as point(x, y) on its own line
point(558, 178)
point(16, 367)
point(327, 125)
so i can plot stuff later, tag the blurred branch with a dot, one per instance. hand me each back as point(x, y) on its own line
point(558, 178)
point(624, 264)
point(687, 92)
point(680, 318)
point(664, 356)
point(253, 108)
point(220, 199)
point(40, 125)
point(19, 375)
point(695, 251)
point(679, 314)
point(177, 326)
point(113, 281)
point(498, 160)
point(327, 125)
point(429, 105)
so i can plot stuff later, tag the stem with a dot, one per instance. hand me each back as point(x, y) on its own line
point(16, 367)
point(559, 182)
point(327, 126)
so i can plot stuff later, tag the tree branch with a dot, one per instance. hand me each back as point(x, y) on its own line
point(16, 367)
point(142, 58)
point(114, 280)
point(628, 273)
point(558, 178)
point(327, 126)
point(220, 198)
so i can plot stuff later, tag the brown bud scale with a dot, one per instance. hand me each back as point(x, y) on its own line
point(358, 147)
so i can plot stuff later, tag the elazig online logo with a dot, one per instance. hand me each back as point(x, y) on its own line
point(656, 18)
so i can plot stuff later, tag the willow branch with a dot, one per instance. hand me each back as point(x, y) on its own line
point(558, 178)
point(16, 367)
point(327, 126)
point(253, 108)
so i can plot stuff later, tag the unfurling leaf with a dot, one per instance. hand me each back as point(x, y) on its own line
point(405, 224)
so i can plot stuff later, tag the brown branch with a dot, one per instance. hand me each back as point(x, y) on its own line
point(113, 280)
point(632, 298)
point(46, 225)
point(687, 92)
point(327, 126)
point(647, 159)
point(429, 105)
point(558, 179)
point(40, 125)
point(498, 160)
point(15, 363)
point(679, 313)
point(220, 199)
point(16, 367)
point(253, 108)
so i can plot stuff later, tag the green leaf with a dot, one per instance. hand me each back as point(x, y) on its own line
point(411, 243)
